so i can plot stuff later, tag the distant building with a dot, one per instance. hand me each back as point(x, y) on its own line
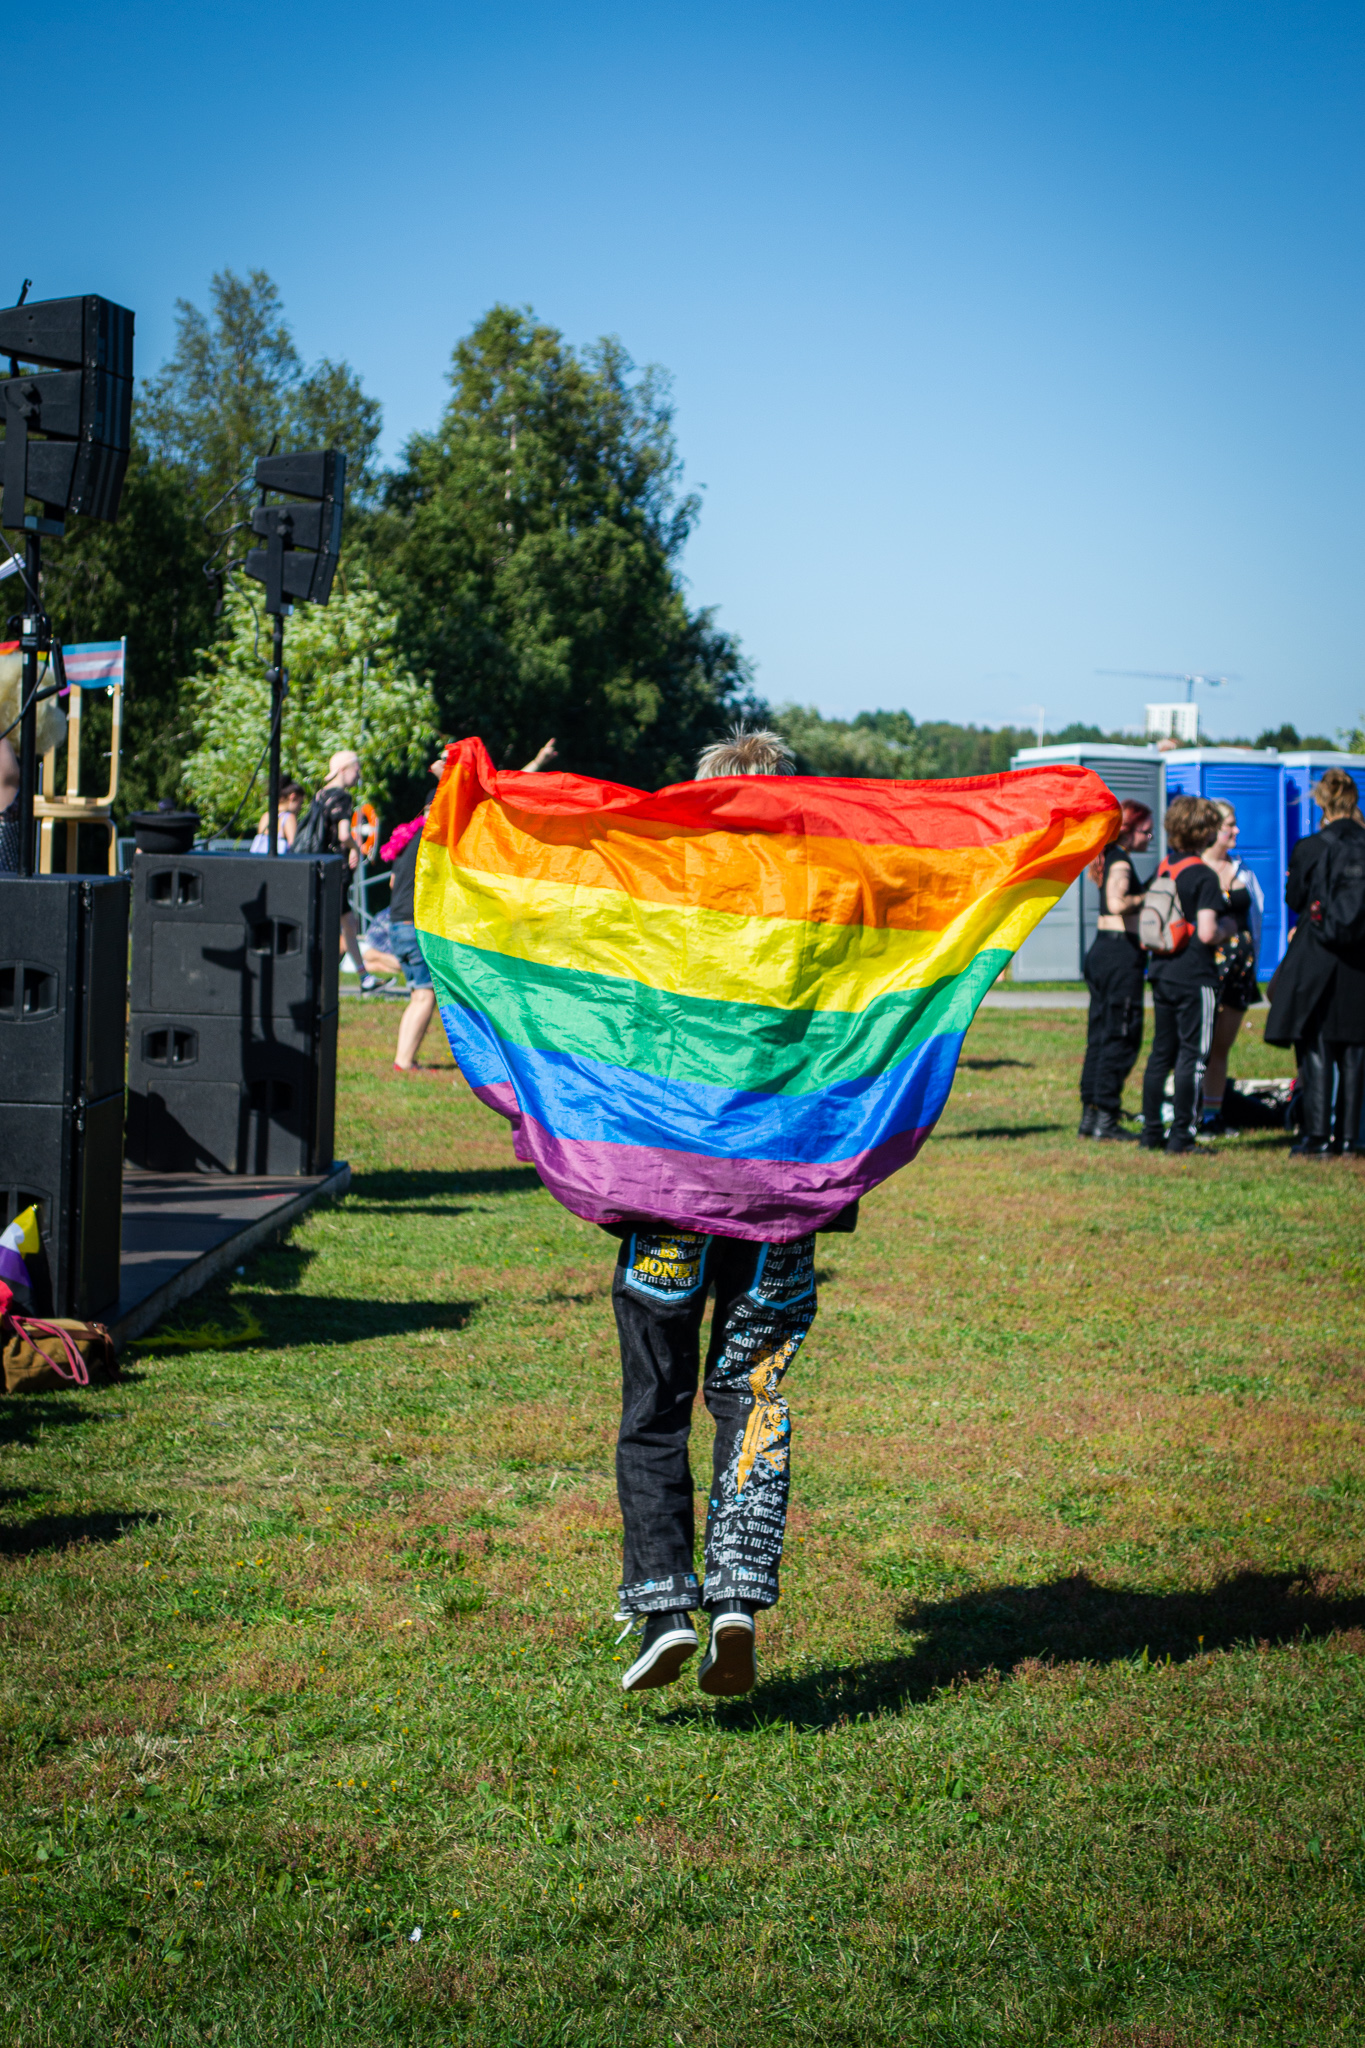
point(1179, 722)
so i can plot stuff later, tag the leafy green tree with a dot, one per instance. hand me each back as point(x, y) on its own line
point(348, 687)
point(1285, 739)
point(873, 744)
point(892, 743)
point(235, 383)
point(531, 545)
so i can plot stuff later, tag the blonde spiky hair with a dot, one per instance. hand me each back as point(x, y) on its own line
point(746, 752)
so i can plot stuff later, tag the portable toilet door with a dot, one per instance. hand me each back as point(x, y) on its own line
point(1301, 771)
point(1301, 814)
point(1056, 950)
point(1252, 781)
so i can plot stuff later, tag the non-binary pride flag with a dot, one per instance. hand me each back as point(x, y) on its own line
point(733, 1005)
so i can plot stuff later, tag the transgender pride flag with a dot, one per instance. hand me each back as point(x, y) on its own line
point(94, 661)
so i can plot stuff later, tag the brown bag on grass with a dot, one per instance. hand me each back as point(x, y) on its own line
point(38, 1352)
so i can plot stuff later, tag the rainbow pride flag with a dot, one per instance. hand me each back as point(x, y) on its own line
point(735, 1005)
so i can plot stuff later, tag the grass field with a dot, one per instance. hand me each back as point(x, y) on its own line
point(307, 1644)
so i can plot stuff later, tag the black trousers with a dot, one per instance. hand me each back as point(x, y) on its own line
point(1181, 1039)
point(1115, 968)
point(1321, 1059)
point(765, 1303)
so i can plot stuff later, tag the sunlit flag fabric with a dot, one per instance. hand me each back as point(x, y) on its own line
point(94, 661)
point(733, 1005)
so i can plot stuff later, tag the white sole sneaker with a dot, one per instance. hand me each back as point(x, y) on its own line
point(730, 1665)
point(661, 1663)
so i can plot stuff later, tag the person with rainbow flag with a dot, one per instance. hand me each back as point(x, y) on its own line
point(765, 1301)
point(716, 1015)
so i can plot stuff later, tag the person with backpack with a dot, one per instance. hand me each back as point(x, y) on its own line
point(1317, 999)
point(327, 829)
point(1184, 917)
point(1115, 968)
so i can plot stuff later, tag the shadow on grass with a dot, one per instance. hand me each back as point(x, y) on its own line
point(396, 1192)
point(1068, 1621)
point(1000, 1131)
point(22, 1416)
point(989, 1066)
point(301, 1319)
point(61, 1532)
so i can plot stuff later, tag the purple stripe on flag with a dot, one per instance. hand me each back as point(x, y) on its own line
point(763, 1200)
point(13, 1271)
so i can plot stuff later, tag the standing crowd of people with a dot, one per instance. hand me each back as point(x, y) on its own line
point(1192, 935)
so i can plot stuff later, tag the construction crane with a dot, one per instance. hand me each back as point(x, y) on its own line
point(1157, 675)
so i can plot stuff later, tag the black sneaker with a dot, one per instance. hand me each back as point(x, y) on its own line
point(730, 1665)
point(1181, 1141)
point(1086, 1126)
point(1152, 1140)
point(368, 984)
point(1107, 1128)
point(668, 1642)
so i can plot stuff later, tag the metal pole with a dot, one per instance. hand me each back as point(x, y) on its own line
point(28, 731)
point(276, 719)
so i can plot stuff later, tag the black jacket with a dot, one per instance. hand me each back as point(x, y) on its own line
point(1315, 989)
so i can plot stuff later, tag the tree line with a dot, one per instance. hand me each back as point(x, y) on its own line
point(517, 573)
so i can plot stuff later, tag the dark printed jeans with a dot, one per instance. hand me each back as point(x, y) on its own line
point(765, 1303)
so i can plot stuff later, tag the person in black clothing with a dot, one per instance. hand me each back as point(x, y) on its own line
point(1235, 957)
point(9, 809)
point(334, 804)
point(1317, 999)
point(1114, 968)
point(1185, 984)
point(765, 1304)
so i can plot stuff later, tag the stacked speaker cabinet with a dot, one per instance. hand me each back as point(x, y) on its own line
point(63, 1008)
point(233, 1026)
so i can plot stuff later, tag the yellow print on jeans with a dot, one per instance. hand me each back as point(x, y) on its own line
point(767, 1433)
point(666, 1265)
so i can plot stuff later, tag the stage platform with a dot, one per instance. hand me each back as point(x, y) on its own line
point(180, 1230)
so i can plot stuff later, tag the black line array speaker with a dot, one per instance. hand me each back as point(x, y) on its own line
point(63, 1005)
point(233, 1031)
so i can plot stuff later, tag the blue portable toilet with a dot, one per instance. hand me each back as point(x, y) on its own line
point(1301, 771)
point(1251, 779)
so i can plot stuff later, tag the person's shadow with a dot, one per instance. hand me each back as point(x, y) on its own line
point(1064, 1621)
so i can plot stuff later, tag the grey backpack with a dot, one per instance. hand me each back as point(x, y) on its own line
point(1162, 927)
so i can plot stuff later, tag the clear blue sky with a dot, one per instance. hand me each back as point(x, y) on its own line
point(1009, 342)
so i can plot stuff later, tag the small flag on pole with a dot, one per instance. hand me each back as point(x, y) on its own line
point(94, 661)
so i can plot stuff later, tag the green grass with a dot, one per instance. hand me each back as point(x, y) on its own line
point(1060, 1727)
